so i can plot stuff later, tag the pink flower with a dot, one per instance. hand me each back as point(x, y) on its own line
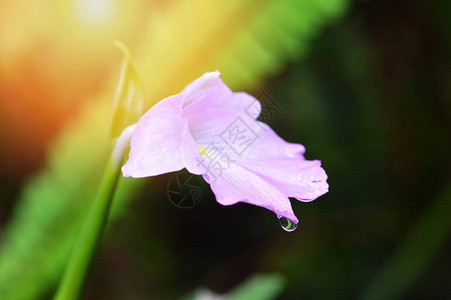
point(212, 131)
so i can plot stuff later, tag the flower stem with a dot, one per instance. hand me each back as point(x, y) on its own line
point(77, 269)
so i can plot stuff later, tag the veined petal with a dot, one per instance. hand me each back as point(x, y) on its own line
point(284, 166)
point(198, 88)
point(271, 144)
point(208, 125)
point(190, 152)
point(155, 147)
point(218, 125)
point(205, 134)
point(237, 184)
point(212, 93)
point(303, 180)
point(243, 102)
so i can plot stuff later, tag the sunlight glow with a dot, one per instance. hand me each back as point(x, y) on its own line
point(96, 12)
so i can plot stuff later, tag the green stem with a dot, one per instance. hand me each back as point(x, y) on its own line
point(72, 283)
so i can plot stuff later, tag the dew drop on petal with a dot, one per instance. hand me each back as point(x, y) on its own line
point(287, 224)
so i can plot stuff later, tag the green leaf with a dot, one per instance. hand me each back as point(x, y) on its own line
point(247, 41)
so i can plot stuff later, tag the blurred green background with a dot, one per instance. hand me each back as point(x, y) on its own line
point(364, 85)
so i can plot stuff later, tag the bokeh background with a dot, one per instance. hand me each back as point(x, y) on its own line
point(365, 86)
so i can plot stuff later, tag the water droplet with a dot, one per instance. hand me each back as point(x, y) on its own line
point(287, 224)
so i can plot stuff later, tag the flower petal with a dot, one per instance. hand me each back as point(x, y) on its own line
point(216, 95)
point(270, 143)
point(283, 165)
point(238, 184)
point(198, 88)
point(155, 147)
point(204, 133)
point(190, 152)
point(303, 180)
point(212, 124)
point(208, 125)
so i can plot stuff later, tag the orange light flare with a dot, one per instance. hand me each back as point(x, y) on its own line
point(53, 54)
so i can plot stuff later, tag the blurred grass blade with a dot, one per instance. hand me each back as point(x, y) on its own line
point(246, 40)
point(73, 281)
point(129, 100)
point(257, 287)
point(415, 253)
point(128, 107)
